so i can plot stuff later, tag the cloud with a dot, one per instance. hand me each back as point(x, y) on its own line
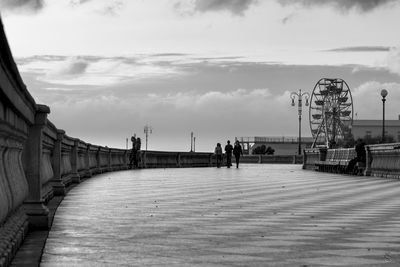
point(31, 6)
point(344, 5)
point(104, 99)
point(113, 8)
point(367, 100)
point(74, 66)
point(360, 49)
point(79, 2)
point(236, 7)
point(288, 18)
point(393, 60)
point(213, 115)
point(96, 71)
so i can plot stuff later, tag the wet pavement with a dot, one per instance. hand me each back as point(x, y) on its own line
point(258, 215)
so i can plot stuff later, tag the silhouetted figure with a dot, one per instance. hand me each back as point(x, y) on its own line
point(132, 155)
point(228, 152)
point(237, 151)
point(218, 154)
point(360, 156)
point(137, 147)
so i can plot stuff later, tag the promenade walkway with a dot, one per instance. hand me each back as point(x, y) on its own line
point(258, 215)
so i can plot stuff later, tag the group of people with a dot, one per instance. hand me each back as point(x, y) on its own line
point(133, 156)
point(236, 150)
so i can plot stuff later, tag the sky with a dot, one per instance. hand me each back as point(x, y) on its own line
point(218, 68)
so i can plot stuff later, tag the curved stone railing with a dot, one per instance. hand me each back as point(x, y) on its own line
point(383, 160)
point(17, 117)
point(37, 160)
point(162, 159)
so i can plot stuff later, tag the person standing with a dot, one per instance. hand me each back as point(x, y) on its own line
point(218, 154)
point(137, 154)
point(228, 152)
point(237, 151)
point(132, 156)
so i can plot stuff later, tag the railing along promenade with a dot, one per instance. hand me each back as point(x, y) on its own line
point(162, 159)
point(382, 160)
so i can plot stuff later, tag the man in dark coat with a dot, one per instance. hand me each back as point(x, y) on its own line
point(228, 152)
point(132, 156)
point(237, 151)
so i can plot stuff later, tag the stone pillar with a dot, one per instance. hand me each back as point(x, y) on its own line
point(87, 162)
point(305, 155)
point(74, 162)
point(126, 159)
point(98, 164)
point(34, 205)
point(144, 159)
point(109, 167)
point(322, 154)
point(57, 182)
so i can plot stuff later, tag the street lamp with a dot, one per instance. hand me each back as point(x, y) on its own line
point(147, 130)
point(299, 96)
point(384, 93)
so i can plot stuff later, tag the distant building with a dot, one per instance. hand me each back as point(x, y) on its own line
point(373, 128)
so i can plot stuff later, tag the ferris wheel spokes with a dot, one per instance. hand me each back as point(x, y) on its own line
point(331, 111)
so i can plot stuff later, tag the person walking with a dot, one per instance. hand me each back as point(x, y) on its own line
point(237, 151)
point(228, 152)
point(218, 154)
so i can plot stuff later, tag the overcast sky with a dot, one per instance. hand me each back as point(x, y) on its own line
point(219, 68)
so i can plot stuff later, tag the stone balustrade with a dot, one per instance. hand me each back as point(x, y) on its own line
point(163, 159)
point(383, 160)
point(37, 160)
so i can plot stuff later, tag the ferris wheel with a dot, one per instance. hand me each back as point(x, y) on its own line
point(331, 112)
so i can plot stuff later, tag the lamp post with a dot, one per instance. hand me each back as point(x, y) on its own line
point(147, 130)
point(384, 93)
point(299, 96)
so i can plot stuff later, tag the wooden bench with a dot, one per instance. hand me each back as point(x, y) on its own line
point(336, 160)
